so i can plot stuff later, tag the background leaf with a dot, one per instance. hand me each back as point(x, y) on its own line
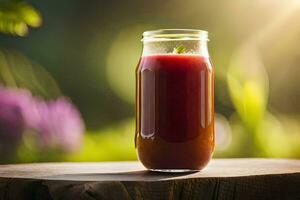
point(16, 16)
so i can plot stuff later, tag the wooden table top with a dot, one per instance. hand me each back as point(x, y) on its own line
point(221, 179)
point(134, 171)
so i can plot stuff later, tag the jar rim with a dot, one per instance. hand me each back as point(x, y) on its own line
point(174, 34)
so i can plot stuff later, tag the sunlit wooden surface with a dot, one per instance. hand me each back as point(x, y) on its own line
point(221, 179)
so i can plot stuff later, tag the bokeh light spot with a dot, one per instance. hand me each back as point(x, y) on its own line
point(223, 133)
point(123, 57)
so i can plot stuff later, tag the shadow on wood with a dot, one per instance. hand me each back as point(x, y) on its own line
point(121, 176)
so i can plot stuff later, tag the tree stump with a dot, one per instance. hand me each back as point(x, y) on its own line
point(221, 179)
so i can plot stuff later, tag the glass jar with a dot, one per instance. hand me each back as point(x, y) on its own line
point(174, 101)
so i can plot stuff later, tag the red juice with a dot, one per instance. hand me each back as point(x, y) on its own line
point(175, 111)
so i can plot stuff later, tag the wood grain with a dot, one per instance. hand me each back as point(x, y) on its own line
point(222, 179)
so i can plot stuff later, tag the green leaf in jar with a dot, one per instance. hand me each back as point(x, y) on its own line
point(179, 49)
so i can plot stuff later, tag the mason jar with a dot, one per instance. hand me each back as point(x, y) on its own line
point(174, 101)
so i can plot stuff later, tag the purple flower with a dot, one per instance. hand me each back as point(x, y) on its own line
point(60, 125)
point(24, 101)
point(12, 120)
point(57, 124)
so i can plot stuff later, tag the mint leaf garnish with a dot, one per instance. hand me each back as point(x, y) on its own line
point(179, 49)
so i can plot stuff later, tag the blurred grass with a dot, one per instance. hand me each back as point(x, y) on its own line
point(110, 144)
point(116, 142)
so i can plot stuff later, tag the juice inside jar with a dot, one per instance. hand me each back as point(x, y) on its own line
point(174, 111)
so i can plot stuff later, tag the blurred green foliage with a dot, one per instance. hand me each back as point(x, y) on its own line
point(16, 16)
point(18, 71)
point(114, 142)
